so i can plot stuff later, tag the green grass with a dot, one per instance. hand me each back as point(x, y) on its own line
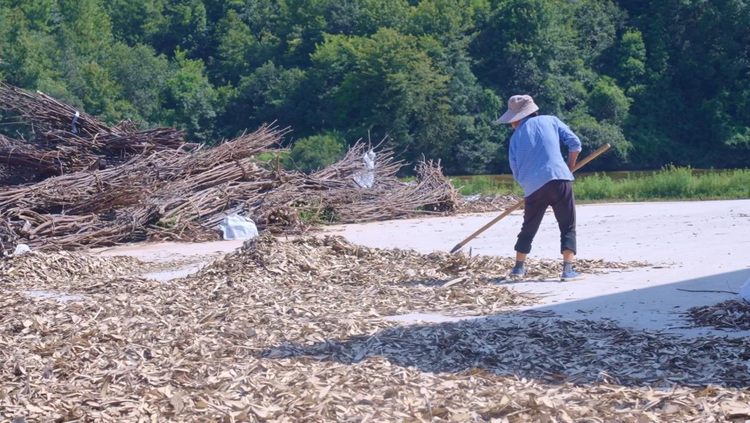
point(671, 183)
point(677, 183)
point(314, 213)
point(484, 185)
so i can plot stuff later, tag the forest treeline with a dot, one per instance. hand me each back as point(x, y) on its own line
point(664, 81)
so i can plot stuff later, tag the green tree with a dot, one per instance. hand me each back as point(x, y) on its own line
point(317, 151)
point(596, 28)
point(608, 102)
point(477, 145)
point(698, 53)
point(342, 16)
point(24, 51)
point(384, 85)
point(377, 14)
point(142, 78)
point(305, 24)
point(446, 20)
point(99, 92)
point(594, 134)
point(38, 14)
point(528, 47)
point(183, 25)
point(240, 49)
point(86, 29)
point(270, 93)
point(631, 61)
point(191, 99)
point(136, 21)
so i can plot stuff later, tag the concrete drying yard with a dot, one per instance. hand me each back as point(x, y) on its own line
point(693, 245)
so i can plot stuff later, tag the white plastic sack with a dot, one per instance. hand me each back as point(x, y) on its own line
point(472, 198)
point(238, 227)
point(366, 178)
point(21, 249)
point(745, 291)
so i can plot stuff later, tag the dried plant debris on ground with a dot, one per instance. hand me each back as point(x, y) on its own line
point(728, 315)
point(290, 331)
point(61, 266)
point(548, 371)
point(391, 281)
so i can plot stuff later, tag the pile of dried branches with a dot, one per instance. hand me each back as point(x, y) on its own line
point(45, 113)
point(180, 196)
point(128, 202)
point(116, 184)
point(729, 315)
point(334, 194)
point(16, 153)
point(63, 140)
point(292, 331)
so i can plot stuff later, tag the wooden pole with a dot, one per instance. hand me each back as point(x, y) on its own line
point(519, 204)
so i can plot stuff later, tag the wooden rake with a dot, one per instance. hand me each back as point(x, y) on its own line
point(519, 204)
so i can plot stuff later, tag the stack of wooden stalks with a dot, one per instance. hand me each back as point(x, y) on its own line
point(104, 185)
point(60, 139)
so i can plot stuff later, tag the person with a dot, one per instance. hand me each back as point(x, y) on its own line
point(538, 166)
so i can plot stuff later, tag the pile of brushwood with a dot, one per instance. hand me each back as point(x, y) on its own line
point(63, 140)
point(77, 182)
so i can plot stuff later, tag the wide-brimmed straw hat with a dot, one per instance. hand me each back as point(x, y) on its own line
point(519, 106)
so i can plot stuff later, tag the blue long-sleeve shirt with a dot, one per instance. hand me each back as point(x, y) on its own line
point(535, 156)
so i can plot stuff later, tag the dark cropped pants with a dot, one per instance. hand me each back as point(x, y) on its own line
point(559, 195)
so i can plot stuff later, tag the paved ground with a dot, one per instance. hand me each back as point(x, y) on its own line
point(705, 244)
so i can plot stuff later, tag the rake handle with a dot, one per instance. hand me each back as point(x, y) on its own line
point(520, 203)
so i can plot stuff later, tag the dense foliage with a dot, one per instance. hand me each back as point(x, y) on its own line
point(663, 80)
point(316, 152)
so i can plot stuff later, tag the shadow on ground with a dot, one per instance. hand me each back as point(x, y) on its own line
point(554, 350)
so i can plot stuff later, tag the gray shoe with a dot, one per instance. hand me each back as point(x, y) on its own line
point(572, 276)
point(517, 273)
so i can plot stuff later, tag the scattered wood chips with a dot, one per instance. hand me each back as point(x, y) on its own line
point(292, 331)
point(731, 315)
point(63, 265)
